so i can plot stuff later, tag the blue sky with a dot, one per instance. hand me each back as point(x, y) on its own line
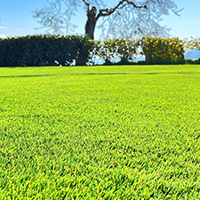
point(17, 20)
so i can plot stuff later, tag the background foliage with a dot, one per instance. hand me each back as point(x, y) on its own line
point(48, 50)
point(155, 50)
point(120, 48)
point(163, 51)
point(42, 50)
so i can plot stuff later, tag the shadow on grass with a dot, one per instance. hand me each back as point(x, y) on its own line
point(29, 76)
point(99, 74)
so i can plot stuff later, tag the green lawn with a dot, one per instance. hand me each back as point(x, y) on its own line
point(111, 132)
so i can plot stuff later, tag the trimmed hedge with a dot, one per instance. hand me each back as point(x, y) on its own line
point(45, 50)
point(163, 51)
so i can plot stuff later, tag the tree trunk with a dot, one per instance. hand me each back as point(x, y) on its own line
point(91, 22)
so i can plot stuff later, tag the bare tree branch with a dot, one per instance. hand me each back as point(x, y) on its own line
point(87, 4)
point(107, 12)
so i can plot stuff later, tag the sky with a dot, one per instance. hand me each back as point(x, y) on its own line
point(16, 19)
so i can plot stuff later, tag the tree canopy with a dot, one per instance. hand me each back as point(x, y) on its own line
point(125, 19)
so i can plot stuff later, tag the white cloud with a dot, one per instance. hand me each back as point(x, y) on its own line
point(3, 36)
point(3, 27)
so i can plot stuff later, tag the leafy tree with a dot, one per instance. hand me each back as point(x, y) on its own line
point(193, 44)
point(125, 18)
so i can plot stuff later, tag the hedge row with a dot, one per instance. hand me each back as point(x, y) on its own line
point(42, 50)
point(47, 50)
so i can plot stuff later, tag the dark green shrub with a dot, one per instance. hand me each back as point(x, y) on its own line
point(196, 61)
point(43, 50)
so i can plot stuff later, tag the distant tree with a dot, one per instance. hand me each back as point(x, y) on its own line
point(192, 44)
point(125, 19)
